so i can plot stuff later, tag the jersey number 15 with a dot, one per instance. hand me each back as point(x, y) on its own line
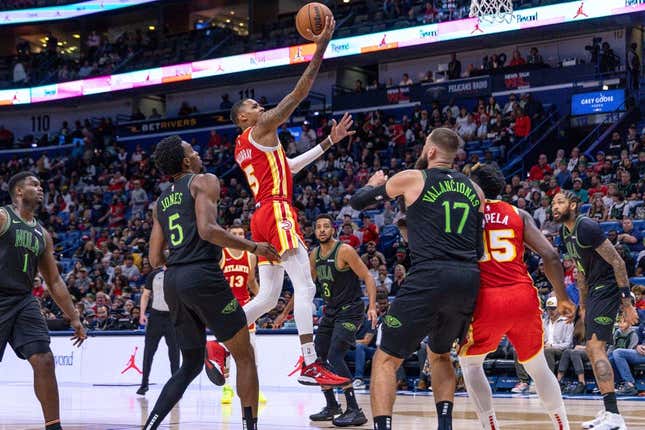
point(498, 246)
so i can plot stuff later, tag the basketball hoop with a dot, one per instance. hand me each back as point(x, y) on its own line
point(492, 11)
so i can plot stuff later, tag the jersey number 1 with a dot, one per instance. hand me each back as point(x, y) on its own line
point(498, 246)
point(464, 215)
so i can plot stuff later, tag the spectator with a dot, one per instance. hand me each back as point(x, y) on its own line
point(619, 208)
point(633, 67)
point(629, 236)
point(626, 354)
point(558, 334)
point(372, 252)
point(365, 349)
point(6, 138)
point(103, 320)
point(454, 67)
point(542, 283)
point(347, 236)
point(370, 231)
point(405, 80)
point(226, 103)
point(358, 86)
point(538, 171)
point(534, 57)
point(580, 192)
point(20, 73)
point(517, 59)
point(138, 200)
point(598, 210)
point(129, 269)
point(608, 60)
point(399, 278)
point(154, 114)
point(522, 124)
point(383, 279)
point(563, 176)
point(575, 356)
point(467, 130)
point(307, 138)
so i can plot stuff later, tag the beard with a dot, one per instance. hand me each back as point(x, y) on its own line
point(321, 241)
point(422, 162)
point(566, 216)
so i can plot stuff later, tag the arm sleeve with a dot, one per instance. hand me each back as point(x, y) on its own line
point(590, 234)
point(303, 160)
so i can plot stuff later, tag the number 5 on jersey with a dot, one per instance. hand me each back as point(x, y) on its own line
point(252, 180)
point(177, 235)
point(498, 246)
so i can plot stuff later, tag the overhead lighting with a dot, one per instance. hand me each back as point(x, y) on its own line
point(60, 43)
point(46, 37)
point(151, 27)
point(232, 12)
point(346, 1)
point(76, 36)
point(228, 21)
point(241, 24)
point(605, 87)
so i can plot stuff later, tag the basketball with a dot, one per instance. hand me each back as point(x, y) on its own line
point(312, 17)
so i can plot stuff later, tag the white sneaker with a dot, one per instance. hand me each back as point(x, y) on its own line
point(606, 421)
point(532, 389)
point(358, 384)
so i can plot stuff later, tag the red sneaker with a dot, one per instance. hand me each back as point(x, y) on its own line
point(317, 373)
point(215, 362)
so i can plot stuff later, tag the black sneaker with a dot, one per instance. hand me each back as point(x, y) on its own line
point(351, 417)
point(627, 390)
point(326, 414)
point(580, 388)
point(142, 390)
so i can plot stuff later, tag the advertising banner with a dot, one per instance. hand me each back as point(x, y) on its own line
point(431, 33)
point(597, 102)
point(142, 128)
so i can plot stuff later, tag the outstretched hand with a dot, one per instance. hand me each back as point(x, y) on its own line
point(79, 333)
point(325, 35)
point(340, 130)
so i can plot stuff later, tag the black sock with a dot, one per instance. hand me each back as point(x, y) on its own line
point(248, 422)
point(444, 415)
point(54, 426)
point(383, 422)
point(610, 402)
point(351, 398)
point(331, 398)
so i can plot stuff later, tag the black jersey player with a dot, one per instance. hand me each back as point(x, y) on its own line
point(185, 222)
point(444, 218)
point(338, 269)
point(25, 249)
point(603, 284)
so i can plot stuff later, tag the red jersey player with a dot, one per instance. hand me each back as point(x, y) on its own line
point(269, 174)
point(239, 270)
point(508, 303)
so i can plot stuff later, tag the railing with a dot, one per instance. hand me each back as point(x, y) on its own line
point(600, 132)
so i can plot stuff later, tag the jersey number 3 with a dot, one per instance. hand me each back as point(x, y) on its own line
point(498, 246)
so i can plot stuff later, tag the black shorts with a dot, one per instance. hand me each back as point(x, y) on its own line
point(22, 326)
point(198, 297)
point(338, 327)
point(601, 310)
point(437, 299)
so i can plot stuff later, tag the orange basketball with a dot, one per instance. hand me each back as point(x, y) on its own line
point(312, 16)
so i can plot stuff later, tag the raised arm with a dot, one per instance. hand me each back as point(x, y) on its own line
point(58, 290)
point(205, 189)
point(607, 251)
point(349, 256)
point(535, 240)
point(408, 183)
point(271, 120)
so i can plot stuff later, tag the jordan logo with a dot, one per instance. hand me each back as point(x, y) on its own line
point(298, 55)
point(383, 41)
point(581, 11)
point(477, 28)
point(131, 363)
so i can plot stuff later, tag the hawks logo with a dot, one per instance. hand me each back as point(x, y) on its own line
point(286, 225)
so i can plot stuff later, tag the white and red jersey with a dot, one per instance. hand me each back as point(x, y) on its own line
point(266, 168)
point(503, 264)
point(236, 271)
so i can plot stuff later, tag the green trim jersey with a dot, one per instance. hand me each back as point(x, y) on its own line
point(443, 223)
point(338, 287)
point(176, 214)
point(581, 244)
point(21, 245)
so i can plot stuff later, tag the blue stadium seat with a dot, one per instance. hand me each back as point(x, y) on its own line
point(584, 209)
point(610, 225)
point(639, 280)
point(639, 224)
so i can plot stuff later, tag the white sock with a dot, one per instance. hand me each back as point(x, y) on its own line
point(548, 390)
point(309, 352)
point(479, 390)
point(271, 277)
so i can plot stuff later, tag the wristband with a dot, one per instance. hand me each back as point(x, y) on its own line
point(330, 141)
point(625, 293)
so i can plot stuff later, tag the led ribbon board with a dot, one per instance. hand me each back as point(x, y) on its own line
point(356, 45)
point(72, 10)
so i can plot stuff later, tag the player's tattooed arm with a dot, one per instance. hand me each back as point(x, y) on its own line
point(583, 288)
point(609, 253)
point(156, 254)
point(271, 120)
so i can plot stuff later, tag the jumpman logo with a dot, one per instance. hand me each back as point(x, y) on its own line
point(131, 363)
point(581, 11)
point(477, 28)
point(383, 41)
point(298, 55)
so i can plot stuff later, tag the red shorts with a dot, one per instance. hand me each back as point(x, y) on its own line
point(511, 311)
point(276, 222)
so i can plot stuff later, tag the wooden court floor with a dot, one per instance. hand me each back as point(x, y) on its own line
point(119, 408)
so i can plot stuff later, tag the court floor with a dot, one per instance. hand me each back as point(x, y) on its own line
point(86, 407)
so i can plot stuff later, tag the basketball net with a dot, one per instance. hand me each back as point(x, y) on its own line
point(492, 11)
